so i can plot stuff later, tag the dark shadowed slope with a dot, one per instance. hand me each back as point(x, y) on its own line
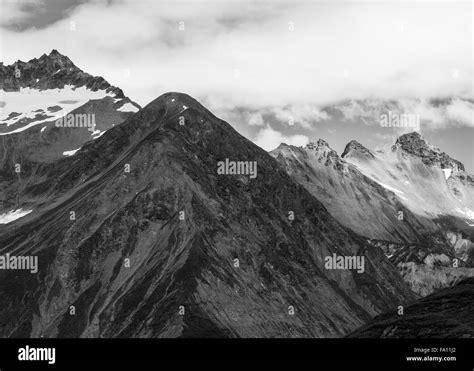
point(152, 252)
point(448, 313)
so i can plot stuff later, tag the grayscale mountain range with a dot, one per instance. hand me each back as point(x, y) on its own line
point(137, 232)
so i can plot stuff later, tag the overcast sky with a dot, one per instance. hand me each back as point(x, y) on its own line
point(258, 63)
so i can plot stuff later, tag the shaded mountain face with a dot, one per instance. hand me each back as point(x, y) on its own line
point(49, 109)
point(414, 202)
point(139, 234)
point(448, 313)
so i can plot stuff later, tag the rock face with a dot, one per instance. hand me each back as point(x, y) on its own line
point(325, 154)
point(48, 90)
point(42, 90)
point(354, 148)
point(357, 201)
point(414, 144)
point(413, 198)
point(444, 314)
point(431, 265)
point(53, 71)
point(139, 236)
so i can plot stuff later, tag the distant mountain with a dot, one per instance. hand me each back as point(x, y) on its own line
point(356, 200)
point(48, 109)
point(49, 87)
point(50, 72)
point(426, 180)
point(445, 314)
point(414, 202)
point(414, 144)
point(164, 244)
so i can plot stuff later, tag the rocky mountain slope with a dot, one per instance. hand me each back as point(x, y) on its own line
point(34, 97)
point(138, 235)
point(356, 200)
point(414, 202)
point(448, 313)
point(426, 180)
point(35, 94)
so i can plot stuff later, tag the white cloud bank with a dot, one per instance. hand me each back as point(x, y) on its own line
point(246, 53)
point(269, 139)
point(288, 59)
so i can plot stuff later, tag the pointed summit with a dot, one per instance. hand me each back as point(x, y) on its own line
point(320, 144)
point(174, 173)
point(53, 71)
point(324, 153)
point(414, 144)
point(355, 149)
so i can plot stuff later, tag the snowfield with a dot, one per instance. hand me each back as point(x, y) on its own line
point(70, 153)
point(13, 215)
point(128, 107)
point(31, 102)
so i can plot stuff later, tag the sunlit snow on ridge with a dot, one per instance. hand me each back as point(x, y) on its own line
point(128, 107)
point(13, 215)
point(447, 173)
point(28, 100)
point(70, 153)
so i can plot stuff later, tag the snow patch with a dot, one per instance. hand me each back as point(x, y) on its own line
point(29, 100)
point(97, 134)
point(466, 212)
point(128, 107)
point(70, 153)
point(447, 173)
point(390, 188)
point(13, 215)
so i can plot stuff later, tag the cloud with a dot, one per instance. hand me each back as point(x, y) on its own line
point(434, 114)
point(461, 112)
point(269, 139)
point(254, 119)
point(333, 52)
point(273, 58)
point(302, 114)
point(14, 11)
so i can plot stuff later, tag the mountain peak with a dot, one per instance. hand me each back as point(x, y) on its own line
point(323, 152)
point(320, 144)
point(354, 148)
point(53, 71)
point(413, 143)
